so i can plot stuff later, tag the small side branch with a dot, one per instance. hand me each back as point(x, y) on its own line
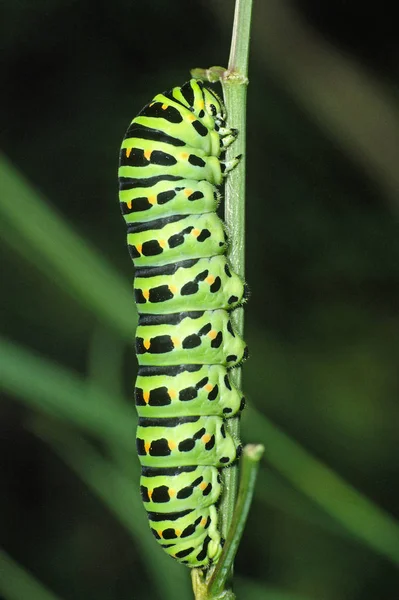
point(251, 457)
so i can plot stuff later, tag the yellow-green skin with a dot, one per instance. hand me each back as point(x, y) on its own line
point(169, 169)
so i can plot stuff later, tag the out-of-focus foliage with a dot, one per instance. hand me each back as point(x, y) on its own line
point(322, 321)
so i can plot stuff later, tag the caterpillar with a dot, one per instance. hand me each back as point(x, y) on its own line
point(170, 169)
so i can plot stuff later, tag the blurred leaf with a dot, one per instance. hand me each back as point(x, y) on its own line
point(106, 362)
point(248, 589)
point(105, 365)
point(44, 238)
point(18, 584)
point(120, 494)
point(357, 513)
point(282, 496)
point(51, 389)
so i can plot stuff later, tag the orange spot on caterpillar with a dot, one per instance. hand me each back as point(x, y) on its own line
point(146, 294)
point(205, 438)
point(160, 532)
point(162, 243)
point(172, 394)
point(129, 204)
point(191, 117)
point(147, 154)
point(202, 486)
point(173, 289)
point(196, 232)
point(147, 446)
point(210, 279)
point(203, 522)
point(152, 199)
point(139, 248)
point(184, 155)
point(178, 532)
point(150, 493)
point(187, 192)
point(209, 387)
point(146, 397)
point(146, 344)
point(164, 106)
point(172, 445)
point(128, 151)
point(171, 493)
point(212, 334)
point(176, 341)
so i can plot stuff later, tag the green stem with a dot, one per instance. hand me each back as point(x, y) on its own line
point(234, 85)
point(239, 49)
point(251, 456)
point(235, 224)
point(212, 587)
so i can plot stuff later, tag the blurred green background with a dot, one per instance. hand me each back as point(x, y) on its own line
point(321, 324)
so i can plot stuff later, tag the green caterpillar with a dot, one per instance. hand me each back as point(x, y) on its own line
point(169, 171)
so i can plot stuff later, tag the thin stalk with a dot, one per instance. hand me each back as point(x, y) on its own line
point(213, 586)
point(239, 48)
point(235, 224)
point(234, 85)
point(251, 456)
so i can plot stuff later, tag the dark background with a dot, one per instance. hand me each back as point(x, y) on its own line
point(322, 322)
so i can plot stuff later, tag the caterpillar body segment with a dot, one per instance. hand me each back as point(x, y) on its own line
point(177, 163)
point(206, 283)
point(201, 389)
point(171, 162)
point(167, 240)
point(199, 337)
point(167, 198)
point(202, 440)
point(191, 536)
point(179, 488)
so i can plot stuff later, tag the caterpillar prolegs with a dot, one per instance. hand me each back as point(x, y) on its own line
point(170, 167)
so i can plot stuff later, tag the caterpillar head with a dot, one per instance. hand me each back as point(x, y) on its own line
point(214, 107)
point(204, 103)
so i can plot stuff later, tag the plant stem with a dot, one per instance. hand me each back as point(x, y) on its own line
point(234, 85)
point(251, 456)
point(239, 49)
point(235, 224)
